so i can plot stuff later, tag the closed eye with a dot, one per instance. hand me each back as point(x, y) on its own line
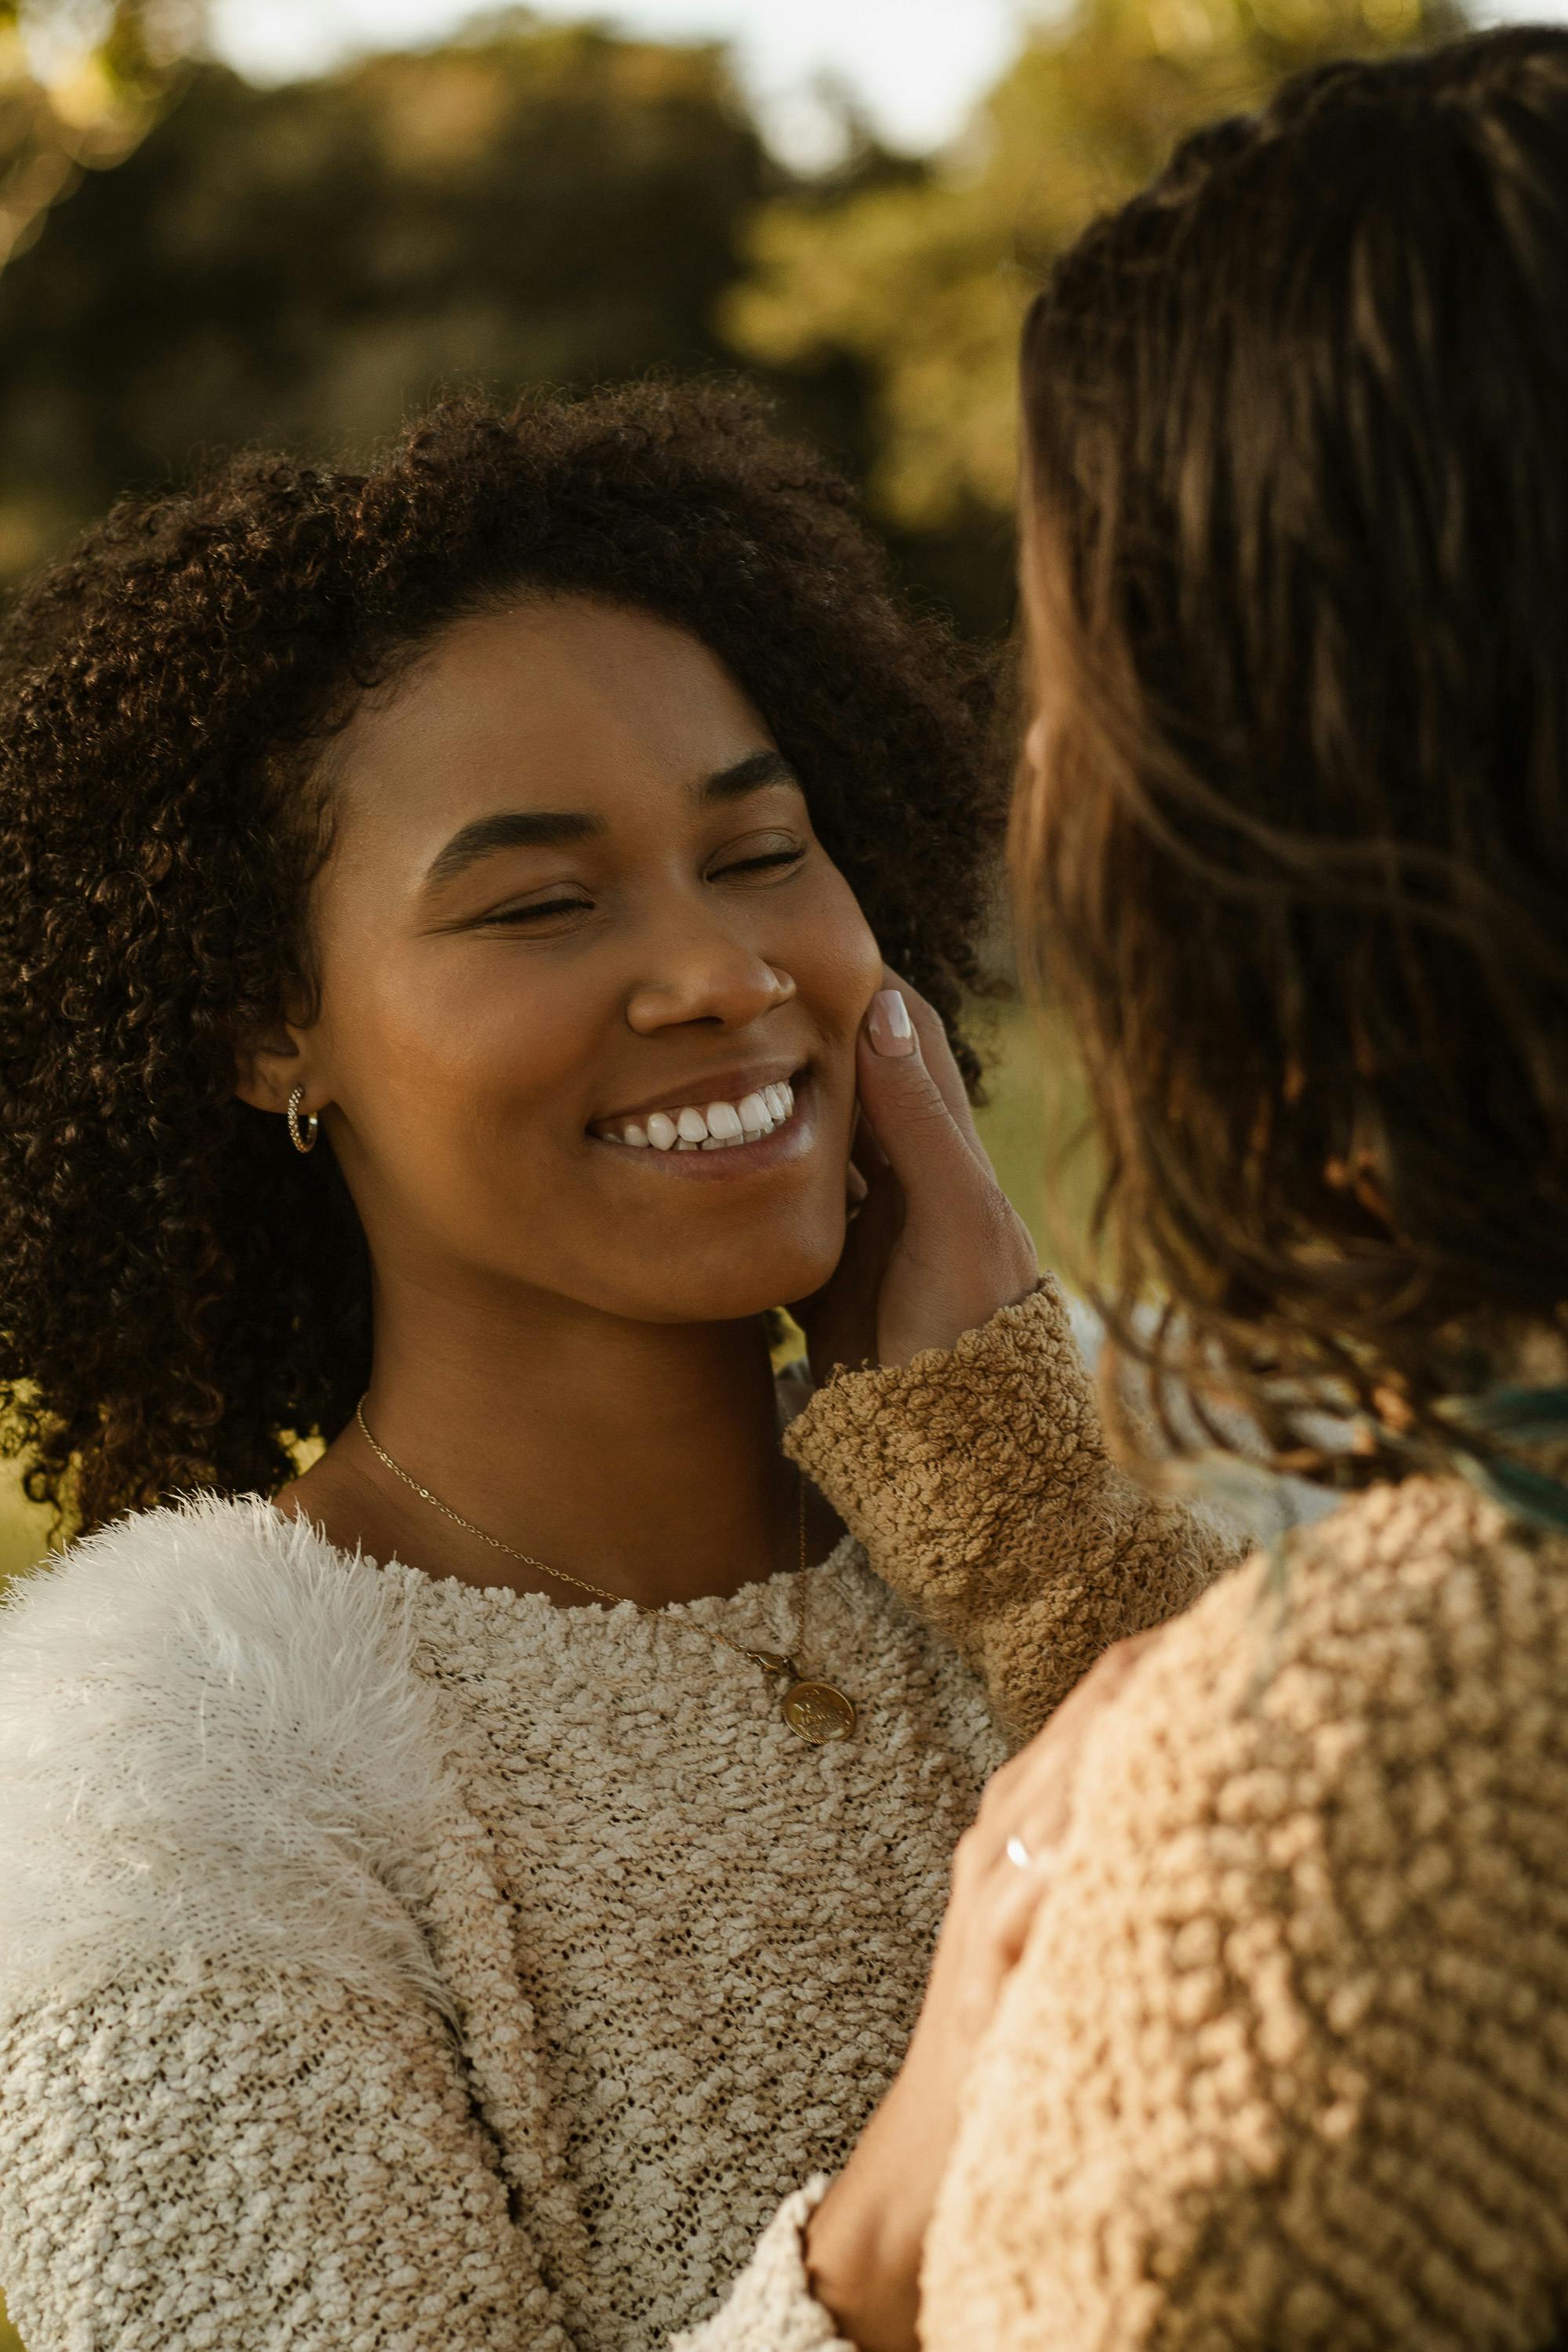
point(537, 908)
point(756, 865)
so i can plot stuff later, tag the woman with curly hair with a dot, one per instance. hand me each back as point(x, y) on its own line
point(458, 1885)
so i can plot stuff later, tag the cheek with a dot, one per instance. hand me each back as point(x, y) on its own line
point(445, 1050)
point(840, 963)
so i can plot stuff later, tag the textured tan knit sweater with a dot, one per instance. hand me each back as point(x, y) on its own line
point(1285, 2063)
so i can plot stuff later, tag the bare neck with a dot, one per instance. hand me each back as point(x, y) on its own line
point(642, 1457)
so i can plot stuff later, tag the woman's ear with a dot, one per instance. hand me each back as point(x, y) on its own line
point(268, 1067)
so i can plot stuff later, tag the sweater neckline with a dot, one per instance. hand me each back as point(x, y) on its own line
point(705, 1609)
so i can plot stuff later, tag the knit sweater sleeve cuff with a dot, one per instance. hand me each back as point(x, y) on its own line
point(977, 1480)
point(959, 1441)
point(772, 2308)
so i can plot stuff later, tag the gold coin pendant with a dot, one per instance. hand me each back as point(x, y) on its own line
point(818, 1713)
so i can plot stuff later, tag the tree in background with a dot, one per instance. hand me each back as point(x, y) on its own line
point(922, 286)
point(80, 85)
point(300, 266)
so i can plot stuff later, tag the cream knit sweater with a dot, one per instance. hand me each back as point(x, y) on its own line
point(389, 1963)
point(409, 1965)
point(296, 2050)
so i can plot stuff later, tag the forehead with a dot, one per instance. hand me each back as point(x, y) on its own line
point(560, 704)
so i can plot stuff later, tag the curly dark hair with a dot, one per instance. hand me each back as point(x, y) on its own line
point(181, 1296)
point(1299, 863)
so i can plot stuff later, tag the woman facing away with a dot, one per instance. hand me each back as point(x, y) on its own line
point(1285, 2060)
point(471, 1891)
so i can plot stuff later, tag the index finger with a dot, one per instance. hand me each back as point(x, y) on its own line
point(937, 1055)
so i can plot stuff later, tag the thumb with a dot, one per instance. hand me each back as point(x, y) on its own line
point(903, 1104)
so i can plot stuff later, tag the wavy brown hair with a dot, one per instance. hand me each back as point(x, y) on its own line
point(180, 1293)
point(1296, 854)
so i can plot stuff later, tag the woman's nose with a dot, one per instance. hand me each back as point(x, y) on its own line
point(703, 975)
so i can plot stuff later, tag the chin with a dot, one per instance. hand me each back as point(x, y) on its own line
point(728, 1292)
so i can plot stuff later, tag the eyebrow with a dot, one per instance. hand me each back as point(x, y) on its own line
point(751, 774)
point(557, 828)
point(507, 829)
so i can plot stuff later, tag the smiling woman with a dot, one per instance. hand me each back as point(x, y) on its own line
point(572, 880)
point(220, 690)
point(455, 1892)
point(503, 986)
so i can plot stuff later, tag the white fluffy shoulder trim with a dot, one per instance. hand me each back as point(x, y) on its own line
point(214, 1749)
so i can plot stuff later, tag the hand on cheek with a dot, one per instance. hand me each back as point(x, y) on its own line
point(935, 1247)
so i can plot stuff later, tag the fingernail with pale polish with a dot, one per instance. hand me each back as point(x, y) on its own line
point(891, 1029)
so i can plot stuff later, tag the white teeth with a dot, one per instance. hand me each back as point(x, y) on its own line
point(722, 1127)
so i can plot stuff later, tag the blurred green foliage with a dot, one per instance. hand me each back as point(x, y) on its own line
point(81, 81)
point(299, 266)
point(302, 265)
point(924, 283)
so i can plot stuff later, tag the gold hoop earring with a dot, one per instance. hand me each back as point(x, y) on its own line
point(306, 1141)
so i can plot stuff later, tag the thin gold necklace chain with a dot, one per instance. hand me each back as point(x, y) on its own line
point(772, 1662)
